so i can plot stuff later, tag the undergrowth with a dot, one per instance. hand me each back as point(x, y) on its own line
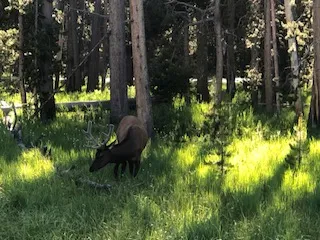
point(176, 195)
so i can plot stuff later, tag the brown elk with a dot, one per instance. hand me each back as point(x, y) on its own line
point(132, 138)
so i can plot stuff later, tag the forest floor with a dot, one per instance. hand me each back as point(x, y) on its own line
point(179, 193)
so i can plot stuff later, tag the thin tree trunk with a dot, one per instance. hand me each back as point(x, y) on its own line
point(21, 62)
point(36, 83)
point(275, 54)
point(105, 54)
point(186, 56)
point(219, 54)
point(314, 115)
point(254, 37)
point(267, 57)
point(75, 46)
point(202, 62)
point(118, 69)
point(292, 45)
point(93, 78)
point(139, 53)
point(46, 95)
point(186, 46)
point(231, 70)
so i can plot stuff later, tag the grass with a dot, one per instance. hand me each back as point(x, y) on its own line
point(175, 195)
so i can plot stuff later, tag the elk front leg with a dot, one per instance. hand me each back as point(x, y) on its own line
point(131, 167)
point(123, 167)
point(136, 167)
point(115, 170)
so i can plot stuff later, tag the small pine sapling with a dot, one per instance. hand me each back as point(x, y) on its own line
point(222, 133)
point(299, 146)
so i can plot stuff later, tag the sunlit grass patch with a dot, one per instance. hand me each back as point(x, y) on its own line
point(33, 165)
point(203, 171)
point(187, 155)
point(296, 184)
point(255, 162)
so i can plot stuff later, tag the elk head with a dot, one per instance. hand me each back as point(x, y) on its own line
point(132, 138)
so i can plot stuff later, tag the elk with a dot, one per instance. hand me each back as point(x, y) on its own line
point(132, 138)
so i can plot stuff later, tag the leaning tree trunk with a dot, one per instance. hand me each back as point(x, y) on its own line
point(267, 57)
point(140, 67)
point(231, 69)
point(219, 53)
point(46, 95)
point(118, 69)
point(93, 77)
point(292, 46)
point(275, 53)
point(314, 114)
point(21, 62)
point(202, 62)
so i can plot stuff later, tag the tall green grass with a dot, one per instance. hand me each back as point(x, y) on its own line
point(176, 195)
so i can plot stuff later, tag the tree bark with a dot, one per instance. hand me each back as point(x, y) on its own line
point(275, 54)
point(21, 62)
point(118, 69)
point(46, 95)
point(231, 69)
point(292, 45)
point(314, 114)
point(93, 77)
point(219, 53)
point(140, 67)
point(202, 62)
point(267, 57)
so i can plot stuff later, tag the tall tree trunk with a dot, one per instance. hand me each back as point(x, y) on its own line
point(293, 51)
point(70, 78)
point(75, 46)
point(105, 53)
point(93, 77)
point(46, 95)
point(118, 69)
point(267, 57)
point(140, 67)
point(314, 114)
point(202, 62)
point(21, 61)
point(275, 53)
point(74, 75)
point(219, 53)
point(231, 69)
